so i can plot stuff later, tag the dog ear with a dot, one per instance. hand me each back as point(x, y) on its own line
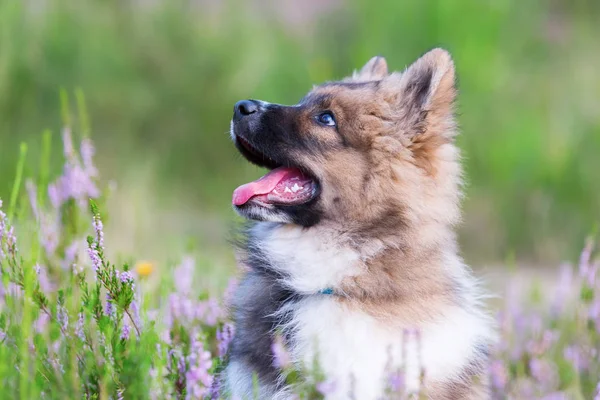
point(425, 93)
point(374, 70)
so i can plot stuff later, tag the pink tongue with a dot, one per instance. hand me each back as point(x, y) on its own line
point(282, 185)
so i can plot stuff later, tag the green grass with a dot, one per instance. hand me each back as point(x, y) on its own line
point(161, 80)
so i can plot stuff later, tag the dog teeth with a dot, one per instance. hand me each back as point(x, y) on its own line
point(295, 188)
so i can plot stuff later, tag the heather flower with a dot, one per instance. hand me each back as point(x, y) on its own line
point(184, 274)
point(45, 283)
point(498, 375)
point(87, 151)
point(99, 229)
point(49, 230)
point(539, 347)
point(71, 254)
point(577, 357)
point(94, 257)
point(281, 357)
point(77, 181)
point(216, 388)
point(544, 372)
point(11, 241)
point(230, 290)
point(2, 228)
point(396, 382)
point(68, 149)
point(212, 312)
point(62, 317)
point(13, 290)
point(56, 364)
point(555, 396)
point(126, 277)
point(327, 387)
point(41, 322)
point(135, 313)
point(565, 283)
point(32, 194)
point(110, 308)
point(198, 378)
point(79, 327)
point(125, 331)
point(224, 337)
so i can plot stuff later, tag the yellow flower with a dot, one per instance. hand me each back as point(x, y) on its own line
point(144, 268)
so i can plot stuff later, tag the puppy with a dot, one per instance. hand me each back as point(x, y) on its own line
point(352, 253)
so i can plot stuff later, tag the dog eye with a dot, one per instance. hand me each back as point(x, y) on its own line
point(326, 119)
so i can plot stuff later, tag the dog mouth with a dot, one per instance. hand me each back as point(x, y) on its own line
point(282, 185)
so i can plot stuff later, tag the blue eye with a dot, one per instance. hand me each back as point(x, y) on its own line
point(326, 119)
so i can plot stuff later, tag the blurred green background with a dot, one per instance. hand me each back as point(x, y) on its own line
point(161, 77)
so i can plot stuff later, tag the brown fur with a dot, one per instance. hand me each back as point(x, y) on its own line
point(400, 203)
point(390, 179)
point(400, 209)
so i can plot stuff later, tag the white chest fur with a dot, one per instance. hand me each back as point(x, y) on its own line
point(355, 350)
point(360, 353)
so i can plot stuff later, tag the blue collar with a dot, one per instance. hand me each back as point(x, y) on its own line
point(326, 291)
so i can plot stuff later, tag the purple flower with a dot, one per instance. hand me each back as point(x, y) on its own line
point(94, 257)
point(77, 181)
point(184, 275)
point(49, 230)
point(41, 322)
point(87, 151)
point(396, 382)
point(224, 338)
point(230, 290)
point(565, 286)
point(498, 375)
point(216, 388)
point(45, 283)
point(70, 254)
point(125, 331)
point(68, 149)
point(575, 355)
point(99, 229)
point(281, 357)
point(212, 313)
point(110, 308)
point(327, 387)
point(79, 328)
point(62, 317)
point(2, 229)
point(135, 311)
point(56, 198)
point(32, 194)
point(198, 378)
point(126, 278)
point(544, 372)
point(555, 396)
point(10, 239)
point(597, 396)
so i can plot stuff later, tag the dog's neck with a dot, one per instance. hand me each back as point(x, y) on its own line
point(410, 270)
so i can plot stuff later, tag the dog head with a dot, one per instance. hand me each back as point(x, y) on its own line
point(369, 151)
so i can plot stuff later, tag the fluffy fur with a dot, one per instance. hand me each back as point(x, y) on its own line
point(379, 233)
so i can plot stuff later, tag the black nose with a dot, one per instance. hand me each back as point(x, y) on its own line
point(244, 108)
